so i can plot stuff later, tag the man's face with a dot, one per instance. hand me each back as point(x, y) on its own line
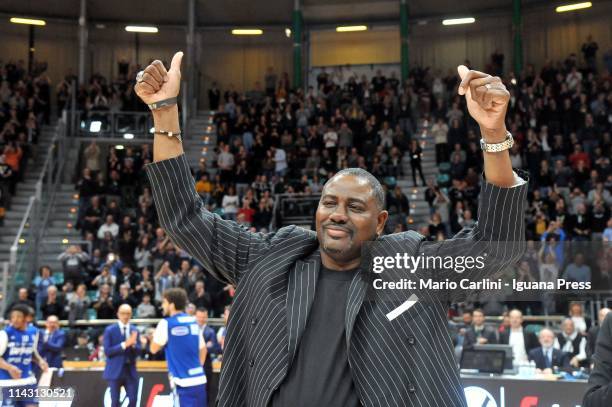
point(18, 320)
point(547, 338)
point(568, 327)
point(478, 318)
point(124, 314)
point(347, 216)
point(23, 294)
point(516, 319)
point(166, 307)
point(201, 318)
point(52, 324)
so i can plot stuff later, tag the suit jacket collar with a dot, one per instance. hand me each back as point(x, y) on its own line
point(301, 289)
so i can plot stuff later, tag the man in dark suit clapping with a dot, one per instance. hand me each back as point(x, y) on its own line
point(51, 342)
point(122, 346)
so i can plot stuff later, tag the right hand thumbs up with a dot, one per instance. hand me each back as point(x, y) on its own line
point(157, 83)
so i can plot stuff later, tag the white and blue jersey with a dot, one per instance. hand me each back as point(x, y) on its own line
point(16, 348)
point(181, 336)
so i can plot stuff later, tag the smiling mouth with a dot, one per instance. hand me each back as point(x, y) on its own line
point(336, 232)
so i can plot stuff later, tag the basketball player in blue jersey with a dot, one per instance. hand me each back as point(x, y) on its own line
point(17, 350)
point(185, 350)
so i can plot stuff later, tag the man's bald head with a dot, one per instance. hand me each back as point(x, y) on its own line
point(124, 313)
point(52, 323)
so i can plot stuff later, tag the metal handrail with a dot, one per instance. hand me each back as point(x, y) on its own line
point(135, 321)
point(24, 221)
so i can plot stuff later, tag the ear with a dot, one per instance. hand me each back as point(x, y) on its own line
point(381, 221)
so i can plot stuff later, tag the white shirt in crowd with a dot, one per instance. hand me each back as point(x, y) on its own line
point(517, 341)
point(330, 138)
point(280, 160)
point(113, 228)
point(230, 203)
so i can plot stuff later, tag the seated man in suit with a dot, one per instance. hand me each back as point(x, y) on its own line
point(546, 356)
point(51, 341)
point(122, 346)
point(522, 341)
point(479, 333)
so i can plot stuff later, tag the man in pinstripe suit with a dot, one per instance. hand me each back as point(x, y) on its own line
point(294, 284)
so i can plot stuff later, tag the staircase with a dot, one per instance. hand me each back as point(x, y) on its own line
point(201, 140)
point(60, 232)
point(419, 209)
point(25, 189)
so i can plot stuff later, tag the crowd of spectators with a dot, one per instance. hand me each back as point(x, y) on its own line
point(564, 347)
point(24, 106)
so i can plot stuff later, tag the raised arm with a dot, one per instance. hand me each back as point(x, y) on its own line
point(223, 247)
point(499, 232)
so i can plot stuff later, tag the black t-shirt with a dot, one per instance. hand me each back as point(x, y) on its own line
point(320, 374)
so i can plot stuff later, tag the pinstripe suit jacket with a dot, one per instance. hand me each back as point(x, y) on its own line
point(404, 362)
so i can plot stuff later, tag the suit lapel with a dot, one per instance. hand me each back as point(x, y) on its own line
point(356, 294)
point(300, 295)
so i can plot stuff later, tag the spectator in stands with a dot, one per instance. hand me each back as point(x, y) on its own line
point(145, 286)
point(146, 309)
point(51, 342)
point(104, 305)
point(78, 304)
point(579, 272)
point(479, 333)
point(74, 261)
point(415, 161)
point(522, 341)
point(128, 277)
point(108, 227)
point(440, 133)
point(546, 357)
point(124, 297)
point(54, 305)
point(589, 51)
point(22, 299)
point(164, 279)
point(572, 343)
point(6, 183)
point(42, 282)
point(200, 298)
point(576, 313)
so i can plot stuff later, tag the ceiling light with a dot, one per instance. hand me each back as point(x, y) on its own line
point(30, 21)
point(247, 31)
point(141, 29)
point(119, 147)
point(288, 32)
point(456, 21)
point(572, 7)
point(351, 28)
point(128, 136)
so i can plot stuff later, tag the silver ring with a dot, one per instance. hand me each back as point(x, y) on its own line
point(139, 76)
point(488, 85)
